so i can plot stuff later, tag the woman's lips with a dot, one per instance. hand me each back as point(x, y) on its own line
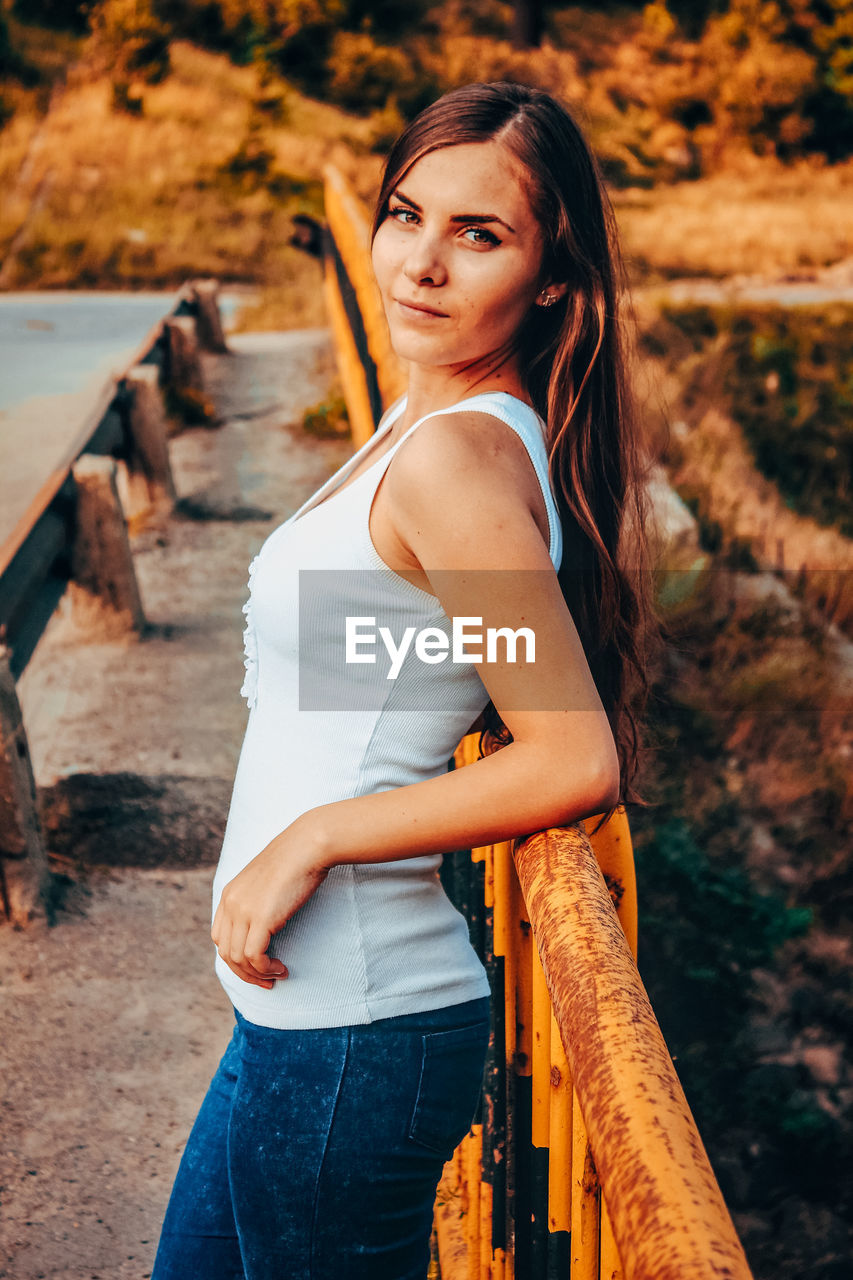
point(420, 309)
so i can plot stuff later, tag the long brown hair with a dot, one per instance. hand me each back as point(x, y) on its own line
point(574, 361)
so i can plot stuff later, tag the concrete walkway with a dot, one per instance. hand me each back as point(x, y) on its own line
point(112, 1022)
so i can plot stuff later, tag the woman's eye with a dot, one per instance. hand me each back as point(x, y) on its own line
point(400, 213)
point(479, 235)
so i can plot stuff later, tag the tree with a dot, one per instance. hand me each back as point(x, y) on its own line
point(527, 24)
point(130, 43)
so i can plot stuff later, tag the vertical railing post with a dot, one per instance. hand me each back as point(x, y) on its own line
point(208, 321)
point(149, 471)
point(104, 590)
point(183, 362)
point(24, 875)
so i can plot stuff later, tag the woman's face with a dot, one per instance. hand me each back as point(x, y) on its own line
point(458, 257)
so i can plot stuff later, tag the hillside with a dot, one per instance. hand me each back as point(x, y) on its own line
point(139, 157)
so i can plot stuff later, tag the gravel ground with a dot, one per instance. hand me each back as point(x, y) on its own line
point(111, 1021)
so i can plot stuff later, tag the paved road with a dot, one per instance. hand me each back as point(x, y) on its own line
point(57, 350)
point(53, 343)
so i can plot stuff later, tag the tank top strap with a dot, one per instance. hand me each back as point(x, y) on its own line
point(525, 422)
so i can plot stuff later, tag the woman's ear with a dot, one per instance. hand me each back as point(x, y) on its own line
point(550, 294)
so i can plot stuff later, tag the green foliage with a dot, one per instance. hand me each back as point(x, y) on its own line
point(329, 419)
point(791, 383)
point(813, 1144)
point(364, 74)
point(724, 924)
point(252, 163)
point(786, 376)
point(835, 41)
point(704, 928)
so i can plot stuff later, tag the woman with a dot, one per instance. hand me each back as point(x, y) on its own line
point(361, 1009)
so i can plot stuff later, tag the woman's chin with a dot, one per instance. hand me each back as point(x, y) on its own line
point(409, 348)
point(426, 349)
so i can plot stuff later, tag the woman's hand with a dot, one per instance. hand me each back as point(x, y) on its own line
point(262, 898)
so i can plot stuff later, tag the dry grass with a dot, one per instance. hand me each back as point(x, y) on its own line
point(762, 220)
point(688, 422)
point(779, 691)
point(298, 303)
point(712, 468)
point(128, 201)
point(716, 468)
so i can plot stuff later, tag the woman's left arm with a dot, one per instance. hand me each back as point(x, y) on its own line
point(562, 763)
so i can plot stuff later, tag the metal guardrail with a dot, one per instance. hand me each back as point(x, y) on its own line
point(74, 533)
point(585, 1162)
point(35, 562)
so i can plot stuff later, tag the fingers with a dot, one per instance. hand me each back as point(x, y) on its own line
point(257, 954)
point(244, 950)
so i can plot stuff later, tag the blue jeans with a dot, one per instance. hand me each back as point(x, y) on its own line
point(316, 1154)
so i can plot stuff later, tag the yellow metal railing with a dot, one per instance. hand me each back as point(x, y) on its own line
point(586, 1163)
point(521, 1196)
point(668, 1215)
point(366, 360)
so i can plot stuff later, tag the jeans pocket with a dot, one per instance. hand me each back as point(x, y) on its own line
point(451, 1078)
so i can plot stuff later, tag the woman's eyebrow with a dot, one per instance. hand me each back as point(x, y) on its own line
point(457, 217)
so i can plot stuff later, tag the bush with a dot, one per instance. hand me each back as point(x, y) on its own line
point(129, 43)
point(363, 75)
point(251, 164)
point(386, 19)
point(13, 66)
point(329, 419)
point(786, 377)
point(704, 929)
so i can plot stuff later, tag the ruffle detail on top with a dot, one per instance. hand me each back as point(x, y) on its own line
point(249, 690)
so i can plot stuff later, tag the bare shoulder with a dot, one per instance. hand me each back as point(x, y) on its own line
point(464, 479)
point(467, 454)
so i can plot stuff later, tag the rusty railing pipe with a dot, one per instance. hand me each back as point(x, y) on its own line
point(669, 1219)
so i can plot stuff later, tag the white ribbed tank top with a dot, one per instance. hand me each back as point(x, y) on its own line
point(376, 939)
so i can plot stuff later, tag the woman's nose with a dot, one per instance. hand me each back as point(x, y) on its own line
point(424, 263)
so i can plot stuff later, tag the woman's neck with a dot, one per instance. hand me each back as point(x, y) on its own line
point(430, 389)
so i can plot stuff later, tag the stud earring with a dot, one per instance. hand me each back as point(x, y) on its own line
point(548, 300)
